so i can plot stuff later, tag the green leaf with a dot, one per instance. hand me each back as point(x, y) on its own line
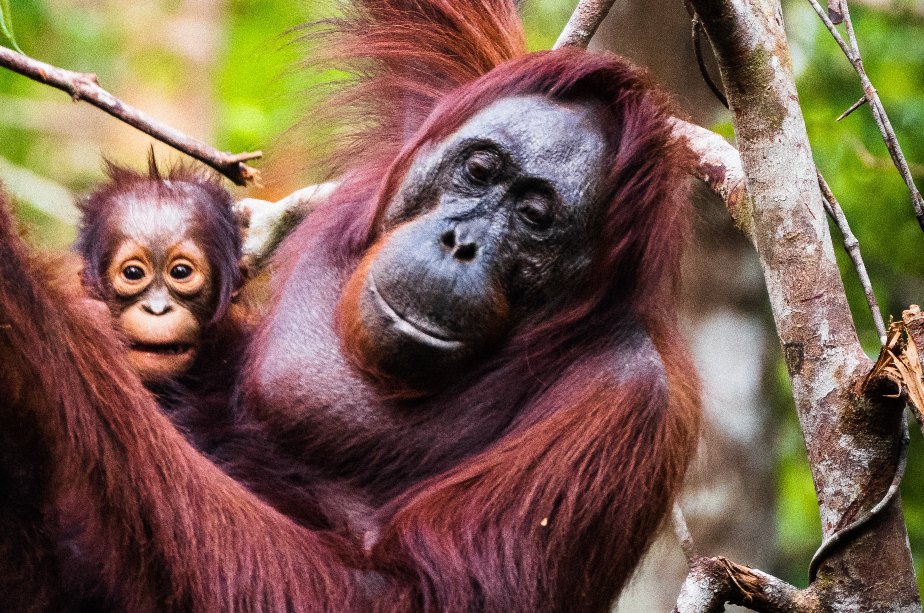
point(6, 24)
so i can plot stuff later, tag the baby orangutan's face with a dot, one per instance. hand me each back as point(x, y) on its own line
point(160, 281)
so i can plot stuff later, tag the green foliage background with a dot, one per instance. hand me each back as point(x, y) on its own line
point(257, 92)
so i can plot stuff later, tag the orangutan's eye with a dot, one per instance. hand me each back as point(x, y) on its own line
point(181, 271)
point(483, 166)
point(536, 211)
point(133, 273)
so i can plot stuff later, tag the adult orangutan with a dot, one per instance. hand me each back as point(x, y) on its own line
point(472, 351)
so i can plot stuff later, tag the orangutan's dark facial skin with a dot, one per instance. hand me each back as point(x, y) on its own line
point(162, 291)
point(488, 224)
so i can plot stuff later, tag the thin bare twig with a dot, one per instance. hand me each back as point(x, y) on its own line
point(852, 108)
point(852, 52)
point(586, 18)
point(84, 86)
point(852, 246)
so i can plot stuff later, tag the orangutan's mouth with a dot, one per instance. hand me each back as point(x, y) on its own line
point(424, 333)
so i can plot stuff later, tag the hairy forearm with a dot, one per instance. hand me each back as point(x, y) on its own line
point(153, 503)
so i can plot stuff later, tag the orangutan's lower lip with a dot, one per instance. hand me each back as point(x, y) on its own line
point(423, 333)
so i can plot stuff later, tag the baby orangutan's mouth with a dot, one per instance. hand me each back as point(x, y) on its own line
point(160, 361)
point(163, 348)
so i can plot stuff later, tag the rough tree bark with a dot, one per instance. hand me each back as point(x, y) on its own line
point(854, 441)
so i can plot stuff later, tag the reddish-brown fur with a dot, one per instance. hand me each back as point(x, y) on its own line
point(532, 483)
point(176, 532)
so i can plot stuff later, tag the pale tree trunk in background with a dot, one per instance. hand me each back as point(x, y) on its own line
point(730, 496)
point(853, 435)
point(729, 329)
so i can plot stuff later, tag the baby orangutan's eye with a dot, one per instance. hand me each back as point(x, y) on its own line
point(181, 271)
point(133, 273)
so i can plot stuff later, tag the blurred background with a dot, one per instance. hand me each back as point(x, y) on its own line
point(227, 72)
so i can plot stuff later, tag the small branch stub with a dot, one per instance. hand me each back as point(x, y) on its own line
point(713, 582)
point(85, 87)
point(718, 164)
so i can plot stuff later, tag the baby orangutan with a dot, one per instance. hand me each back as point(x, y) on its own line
point(163, 252)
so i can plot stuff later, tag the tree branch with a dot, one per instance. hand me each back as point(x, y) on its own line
point(719, 166)
point(832, 206)
point(852, 246)
point(84, 86)
point(852, 51)
point(583, 24)
point(712, 582)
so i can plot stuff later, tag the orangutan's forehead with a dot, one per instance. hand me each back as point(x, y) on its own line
point(155, 219)
point(561, 142)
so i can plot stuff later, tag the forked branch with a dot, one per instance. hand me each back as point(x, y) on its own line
point(84, 86)
point(852, 50)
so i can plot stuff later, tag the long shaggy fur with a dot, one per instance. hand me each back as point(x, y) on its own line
point(604, 456)
point(572, 440)
point(174, 533)
point(401, 57)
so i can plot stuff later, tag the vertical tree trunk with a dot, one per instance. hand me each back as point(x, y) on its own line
point(853, 442)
